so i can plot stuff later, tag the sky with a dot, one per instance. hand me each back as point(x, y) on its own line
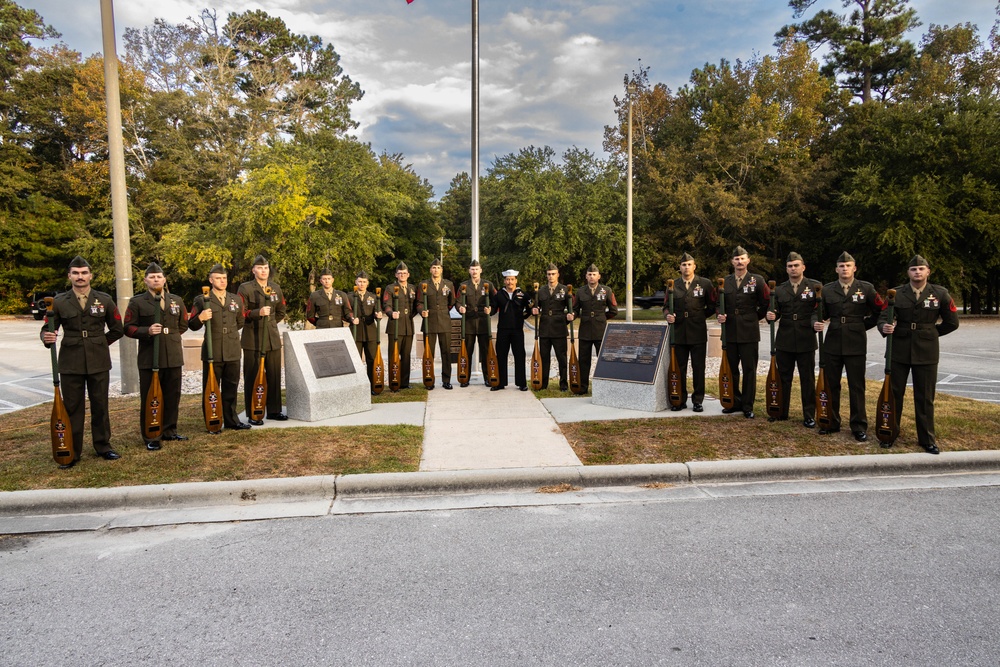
point(548, 68)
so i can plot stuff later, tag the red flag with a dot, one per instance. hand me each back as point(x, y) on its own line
point(409, 1)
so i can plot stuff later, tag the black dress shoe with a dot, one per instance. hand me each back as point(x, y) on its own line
point(463, 384)
point(697, 408)
point(563, 387)
point(828, 431)
point(729, 411)
point(809, 423)
point(239, 426)
point(860, 436)
point(110, 455)
point(278, 416)
point(496, 388)
point(67, 466)
point(168, 438)
point(446, 385)
point(886, 445)
point(256, 422)
point(153, 446)
point(524, 388)
point(677, 408)
point(749, 414)
point(931, 449)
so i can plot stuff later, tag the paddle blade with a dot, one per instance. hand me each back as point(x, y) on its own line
point(258, 402)
point(823, 418)
point(536, 367)
point(492, 366)
point(62, 432)
point(886, 426)
point(211, 404)
point(674, 380)
point(463, 362)
point(378, 372)
point(153, 409)
point(775, 392)
point(726, 397)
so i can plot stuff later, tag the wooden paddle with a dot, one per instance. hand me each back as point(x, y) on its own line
point(59, 425)
point(394, 357)
point(726, 397)
point(378, 369)
point(492, 364)
point(674, 370)
point(428, 360)
point(463, 353)
point(258, 402)
point(823, 417)
point(210, 394)
point(357, 326)
point(574, 363)
point(887, 428)
point(153, 407)
point(775, 392)
point(536, 356)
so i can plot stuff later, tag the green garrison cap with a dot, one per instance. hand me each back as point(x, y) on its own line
point(739, 250)
point(845, 257)
point(686, 257)
point(794, 257)
point(79, 263)
point(918, 260)
point(153, 268)
point(217, 268)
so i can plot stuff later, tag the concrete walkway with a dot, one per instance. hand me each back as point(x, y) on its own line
point(473, 428)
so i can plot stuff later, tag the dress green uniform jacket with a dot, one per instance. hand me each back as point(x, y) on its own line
point(594, 309)
point(476, 321)
point(553, 304)
point(367, 305)
point(796, 314)
point(850, 315)
point(84, 347)
point(141, 313)
point(915, 341)
point(440, 301)
point(745, 307)
point(328, 312)
point(253, 298)
point(405, 303)
point(227, 320)
point(692, 308)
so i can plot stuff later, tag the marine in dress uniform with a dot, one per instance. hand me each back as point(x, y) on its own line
point(924, 312)
point(695, 300)
point(477, 314)
point(367, 310)
point(747, 300)
point(440, 297)
point(256, 306)
point(852, 308)
point(91, 323)
point(225, 312)
point(555, 309)
point(593, 304)
point(140, 323)
point(401, 319)
point(795, 343)
point(511, 307)
point(328, 307)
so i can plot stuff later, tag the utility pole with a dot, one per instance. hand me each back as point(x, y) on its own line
point(119, 196)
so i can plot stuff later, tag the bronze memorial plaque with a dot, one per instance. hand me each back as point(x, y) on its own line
point(330, 358)
point(631, 352)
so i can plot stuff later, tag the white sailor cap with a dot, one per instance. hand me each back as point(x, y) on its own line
point(509, 273)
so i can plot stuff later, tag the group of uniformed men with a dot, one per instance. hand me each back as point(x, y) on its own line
point(247, 324)
point(850, 307)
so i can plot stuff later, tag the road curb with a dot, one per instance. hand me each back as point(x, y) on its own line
point(297, 489)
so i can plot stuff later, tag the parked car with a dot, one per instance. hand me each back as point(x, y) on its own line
point(654, 301)
point(38, 304)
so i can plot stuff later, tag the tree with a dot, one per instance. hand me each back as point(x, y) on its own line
point(867, 50)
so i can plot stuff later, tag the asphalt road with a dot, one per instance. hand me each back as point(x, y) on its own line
point(904, 577)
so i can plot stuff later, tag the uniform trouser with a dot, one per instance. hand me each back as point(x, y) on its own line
point(855, 365)
point(743, 357)
point(697, 354)
point(545, 347)
point(96, 386)
point(511, 340)
point(806, 363)
point(228, 375)
point(405, 345)
point(924, 389)
point(272, 372)
point(366, 349)
point(587, 350)
point(170, 383)
point(470, 346)
point(443, 342)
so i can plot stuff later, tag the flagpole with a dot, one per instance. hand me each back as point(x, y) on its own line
point(475, 129)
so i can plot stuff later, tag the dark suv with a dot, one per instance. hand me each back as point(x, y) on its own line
point(38, 304)
point(655, 301)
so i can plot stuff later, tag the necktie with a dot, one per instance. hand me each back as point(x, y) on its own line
point(82, 298)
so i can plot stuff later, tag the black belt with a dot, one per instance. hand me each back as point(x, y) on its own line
point(919, 325)
point(81, 334)
point(852, 320)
